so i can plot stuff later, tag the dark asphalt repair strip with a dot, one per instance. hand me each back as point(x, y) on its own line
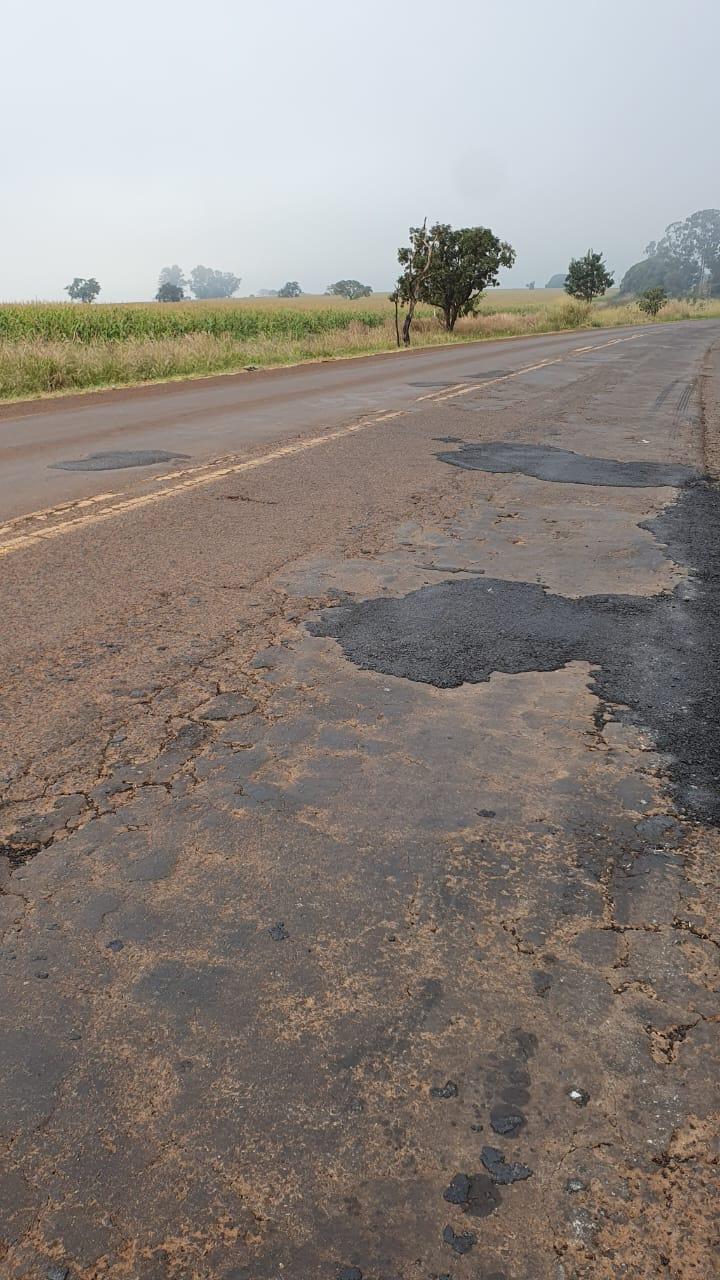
point(544, 462)
point(118, 460)
point(657, 656)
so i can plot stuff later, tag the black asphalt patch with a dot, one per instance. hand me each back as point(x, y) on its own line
point(502, 1171)
point(656, 656)
point(18, 854)
point(117, 460)
point(544, 462)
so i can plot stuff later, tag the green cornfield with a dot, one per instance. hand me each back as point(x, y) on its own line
point(55, 348)
point(68, 321)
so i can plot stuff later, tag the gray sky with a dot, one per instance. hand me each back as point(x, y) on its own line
point(299, 140)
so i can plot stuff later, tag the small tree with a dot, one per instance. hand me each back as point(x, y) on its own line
point(652, 300)
point(290, 290)
point(205, 282)
point(530, 284)
point(416, 261)
point(588, 277)
point(351, 289)
point(82, 290)
point(170, 293)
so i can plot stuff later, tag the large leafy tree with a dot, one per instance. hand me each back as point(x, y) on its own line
point(658, 272)
point(82, 290)
point(694, 246)
point(205, 282)
point(173, 275)
point(462, 264)
point(351, 289)
point(169, 292)
point(290, 290)
point(588, 277)
point(685, 260)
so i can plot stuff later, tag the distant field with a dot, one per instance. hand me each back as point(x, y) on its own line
point(48, 348)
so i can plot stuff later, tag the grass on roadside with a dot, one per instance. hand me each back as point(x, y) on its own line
point(49, 348)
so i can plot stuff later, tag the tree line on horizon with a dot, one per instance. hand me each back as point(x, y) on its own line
point(450, 269)
point(204, 282)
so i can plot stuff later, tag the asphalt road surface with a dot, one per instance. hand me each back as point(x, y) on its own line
point(359, 840)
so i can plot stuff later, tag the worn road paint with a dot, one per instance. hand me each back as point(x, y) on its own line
point(182, 481)
point(463, 388)
point(188, 480)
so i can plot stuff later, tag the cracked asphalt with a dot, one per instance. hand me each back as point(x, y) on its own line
point(359, 848)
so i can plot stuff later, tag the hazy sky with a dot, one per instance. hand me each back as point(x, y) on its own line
point(298, 139)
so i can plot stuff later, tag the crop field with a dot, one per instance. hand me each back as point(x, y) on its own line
point(50, 348)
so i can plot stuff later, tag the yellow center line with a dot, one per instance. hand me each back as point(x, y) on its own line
point(194, 477)
point(190, 482)
point(48, 512)
point(464, 388)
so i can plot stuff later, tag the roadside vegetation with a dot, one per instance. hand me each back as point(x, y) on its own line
point(56, 347)
point(447, 291)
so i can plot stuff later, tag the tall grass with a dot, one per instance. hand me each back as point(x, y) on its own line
point(50, 348)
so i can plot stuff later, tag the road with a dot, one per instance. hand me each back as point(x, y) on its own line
point(360, 824)
point(212, 417)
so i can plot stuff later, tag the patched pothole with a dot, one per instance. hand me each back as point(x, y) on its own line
point(117, 459)
point(657, 656)
point(562, 466)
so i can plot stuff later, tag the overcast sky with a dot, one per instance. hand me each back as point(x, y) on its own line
point(282, 139)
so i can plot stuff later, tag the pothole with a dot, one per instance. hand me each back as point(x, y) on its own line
point(117, 459)
point(545, 462)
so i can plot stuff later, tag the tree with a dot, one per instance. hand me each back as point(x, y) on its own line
point(351, 289)
point(695, 246)
point(170, 293)
point(82, 290)
point(205, 282)
point(588, 277)
point(415, 261)
point(652, 300)
point(686, 259)
point(657, 271)
point(172, 275)
point(557, 281)
point(463, 263)
point(290, 290)
point(530, 284)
